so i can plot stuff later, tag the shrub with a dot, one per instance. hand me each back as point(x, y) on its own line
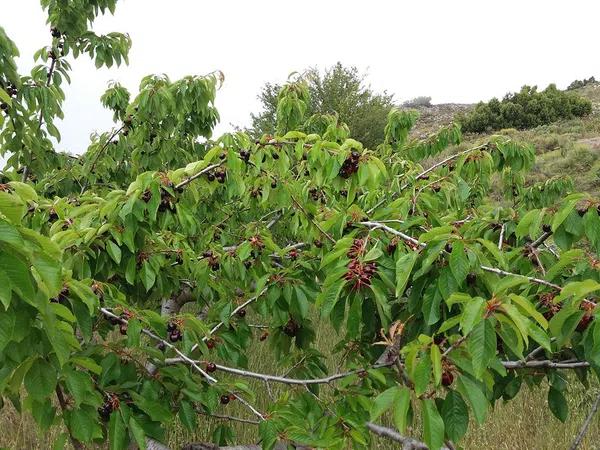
point(581, 83)
point(527, 108)
point(421, 101)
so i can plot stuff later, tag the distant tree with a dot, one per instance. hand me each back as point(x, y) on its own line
point(581, 83)
point(527, 108)
point(421, 101)
point(340, 90)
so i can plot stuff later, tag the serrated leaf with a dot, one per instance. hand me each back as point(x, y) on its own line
point(456, 416)
point(404, 266)
point(482, 346)
point(433, 425)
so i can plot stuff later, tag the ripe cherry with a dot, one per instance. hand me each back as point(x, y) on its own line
point(584, 322)
point(546, 228)
point(123, 329)
point(263, 336)
point(211, 344)
point(232, 397)
point(448, 247)
point(241, 313)
point(273, 184)
point(224, 399)
point(211, 367)
point(471, 279)
point(447, 378)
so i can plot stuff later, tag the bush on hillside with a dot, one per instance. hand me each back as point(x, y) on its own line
point(581, 83)
point(527, 108)
point(421, 101)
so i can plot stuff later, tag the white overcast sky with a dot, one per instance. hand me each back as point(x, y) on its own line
point(453, 51)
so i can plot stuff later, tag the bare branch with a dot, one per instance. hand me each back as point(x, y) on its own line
point(407, 442)
point(546, 364)
point(586, 425)
point(285, 380)
point(539, 241)
point(198, 175)
point(501, 239)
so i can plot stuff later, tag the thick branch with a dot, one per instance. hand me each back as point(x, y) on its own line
point(546, 364)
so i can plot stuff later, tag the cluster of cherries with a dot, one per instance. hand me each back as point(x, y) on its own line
point(317, 195)
point(121, 321)
point(174, 332)
point(62, 297)
point(218, 174)
point(359, 272)
point(551, 309)
point(213, 260)
point(291, 328)
point(350, 165)
point(111, 403)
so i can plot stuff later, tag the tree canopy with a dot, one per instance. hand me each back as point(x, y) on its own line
point(339, 90)
point(128, 274)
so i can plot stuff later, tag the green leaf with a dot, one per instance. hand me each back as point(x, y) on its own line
point(117, 432)
point(456, 416)
point(268, 434)
point(40, 380)
point(558, 404)
point(5, 290)
point(148, 276)
point(472, 391)
point(12, 207)
point(138, 433)
point(384, 402)
point(187, 415)
point(4, 97)
point(404, 266)
point(433, 425)
point(114, 251)
point(436, 362)
point(459, 263)
point(327, 299)
point(401, 407)
point(422, 375)
point(482, 346)
point(472, 314)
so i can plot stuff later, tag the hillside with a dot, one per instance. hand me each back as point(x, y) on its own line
point(564, 147)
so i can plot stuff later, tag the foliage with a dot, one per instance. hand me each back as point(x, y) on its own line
point(576, 84)
point(339, 91)
point(527, 108)
point(444, 302)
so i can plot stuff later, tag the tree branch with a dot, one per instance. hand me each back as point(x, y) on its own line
point(198, 175)
point(586, 425)
point(63, 407)
point(285, 380)
point(407, 442)
point(546, 364)
point(97, 156)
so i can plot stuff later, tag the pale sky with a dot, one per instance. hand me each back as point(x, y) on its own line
point(454, 51)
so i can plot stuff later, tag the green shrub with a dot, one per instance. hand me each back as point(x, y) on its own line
point(525, 109)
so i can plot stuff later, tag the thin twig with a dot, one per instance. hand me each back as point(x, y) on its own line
point(327, 235)
point(97, 156)
point(501, 239)
point(586, 425)
point(198, 175)
point(63, 407)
